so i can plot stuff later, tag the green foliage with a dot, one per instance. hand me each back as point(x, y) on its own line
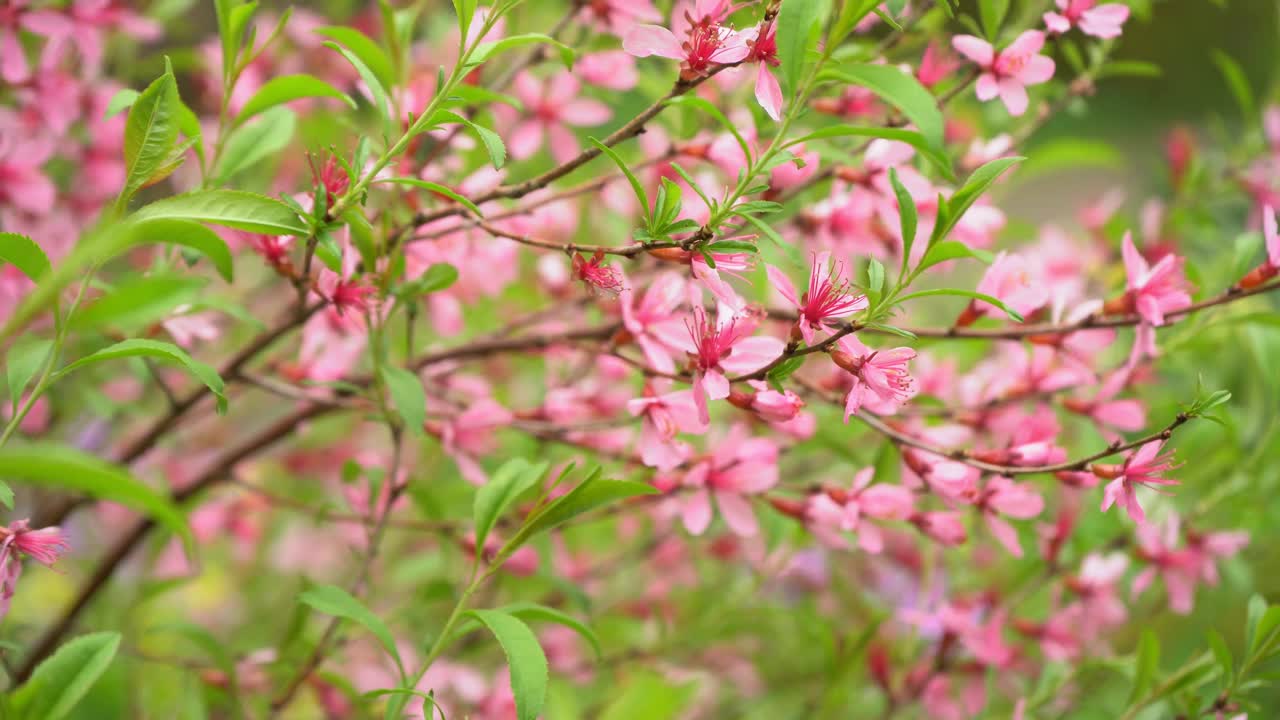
point(60, 682)
point(525, 659)
point(333, 600)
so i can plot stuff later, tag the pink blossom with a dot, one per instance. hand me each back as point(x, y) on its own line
point(935, 66)
point(1013, 280)
point(1152, 290)
point(596, 274)
point(833, 512)
point(1143, 466)
point(553, 106)
point(721, 346)
point(1271, 237)
point(942, 527)
point(471, 433)
point(664, 416)
point(1102, 21)
point(92, 20)
point(738, 467)
point(1003, 496)
point(23, 184)
point(652, 321)
point(618, 16)
point(15, 16)
point(707, 44)
point(1007, 73)
point(44, 546)
point(827, 299)
point(613, 69)
point(878, 375)
point(769, 404)
point(1178, 567)
point(764, 50)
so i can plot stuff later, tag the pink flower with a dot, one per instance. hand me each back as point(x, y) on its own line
point(1271, 237)
point(23, 184)
point(935, 66)
point(1178, 567)
point(471, 433)
point(943, 527)
point(764, 50)
point(707, 44)
point(14, 17)
point(767, 403)
point(1143, 466)
point(733, 264)
point(1008, 72)
point(553, 106)
point(1013, 280)
point(598, 276)
point(1003, 496)
point(738, 467)
point(724, 346)
point(1102, 21)
point(44, 546)
point(1152, 290)
point(834, 512)
point(331, 176)
point(827, 299)
point(878, 375)
point(664, 416)
point(613, 69)
point(652, 323)
point(618, 16)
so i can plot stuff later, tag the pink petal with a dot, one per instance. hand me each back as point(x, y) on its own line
point(1271, 234)
point(1014, 95)
point(646, 40)
point(1135, 267)
point(561, 88)
point(1038, 69)
point(1004, 534)
point(751, 354)
point(768, 92)
point(13, 61)
point(1028, 43)
point(976, 49)
point(1056, 23)
point(785, 287)
point(716, 385)
point(737, 513)
point(987, 87)
point(564, 146)
point(585, 113)
point(525, 140)
point(1104, 21)
point(696, 513)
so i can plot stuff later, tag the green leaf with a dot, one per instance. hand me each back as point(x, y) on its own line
point(689, 100)
point(512, 480)
point(875, 277)
point(61, 681)
point(249, 144)
point(534, 611)
point(993, 13)
point(169, 352)
point(638, 188)
point(492, 142)
point(973, 188)
point(439, 276)
point(22, 362)
point(366, 50)
point(1222, 653)
point(907, 218)
point(150, 132)
point(487, 50)
point(648, 696)
point(123, 98)
point(787, 254)
point(732, 246)
point(184, 233)
point(137, 302)
point(591, 494)
point(525, 659)
point(1237, 82)
point(1146, 662)
point(287, 88)
point(21, 252)
point(333, 600)
point(68, 468)
point(1013, 314)
point(901, 90)
point(435, 188)
point(1129, 68)
point(371, 81)
point(943, 251)
point(935, 155)
point(231, 208)
point(798, 25)
point(405, 388)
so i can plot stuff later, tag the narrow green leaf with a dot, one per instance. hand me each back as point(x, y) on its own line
point(907, 218)
point(188, 234)
point(901, 90)
point(591, 494)
point(706, 106)
point(119, 102)
point(1238, 83)
point(513, 479)
point(993, 13)
point(22, 362)
point(973, 188)
point(365, 49)
point(287, 88)
point(533, 611)
point(405, 388)
point(68, 468)
point(1146, 662)
point(136, 302)
point(525, 659)
point(798, 27)
point(486, 50)
point(376, 87)
point(638, 188)
point(935, 155)
point(944, 251)
point(249, 144)
point(1222, 653)
point(168, 352)
point(648, 696)
point(435, 188)
point(23, 253)
point(333, 600)
point(1013, 314)
point(231, 208)
point(60, 682)
point(150, 132)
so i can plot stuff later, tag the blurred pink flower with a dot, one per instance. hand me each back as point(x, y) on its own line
point(1144, 466)
point(1007, 73)
point(1102, 21)
point(553, 106)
